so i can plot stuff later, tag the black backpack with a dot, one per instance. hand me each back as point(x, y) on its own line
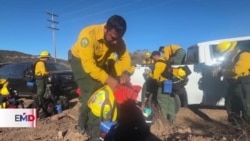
point(29, 73)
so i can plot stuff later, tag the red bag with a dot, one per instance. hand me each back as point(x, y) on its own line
point(124, 93)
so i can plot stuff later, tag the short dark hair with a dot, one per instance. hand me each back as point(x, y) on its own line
point(161, 48)
point(155, 53)
point(118, 23)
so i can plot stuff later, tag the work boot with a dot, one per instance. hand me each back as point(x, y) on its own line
point(230, 118)
point(94, 134)
point(81, 125)
point(41, 113)
point(234, 119)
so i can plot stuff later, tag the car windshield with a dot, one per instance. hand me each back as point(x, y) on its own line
point(56, 67)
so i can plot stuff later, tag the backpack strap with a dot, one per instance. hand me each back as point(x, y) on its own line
point(113, 110)
point(106, 102)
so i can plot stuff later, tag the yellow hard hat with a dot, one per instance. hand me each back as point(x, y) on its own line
point(181, 73)
point(102, 103)
point(44, 54)
point(224, 47)
point(148, 54)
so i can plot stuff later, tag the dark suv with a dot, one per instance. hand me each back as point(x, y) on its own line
point(61, 77)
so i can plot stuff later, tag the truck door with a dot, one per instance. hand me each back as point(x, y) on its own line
point(194, 93)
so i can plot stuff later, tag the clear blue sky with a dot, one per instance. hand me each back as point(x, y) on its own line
point(151, 23)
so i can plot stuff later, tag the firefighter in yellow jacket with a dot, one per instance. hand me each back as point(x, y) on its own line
point(165, 101)
point(41, 74)
point(88, 58)
point(169, 103)
point(148, 60)
point(236, 74)
point(173, 53)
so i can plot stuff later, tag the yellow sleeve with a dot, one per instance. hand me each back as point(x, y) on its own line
point(242, 66)
point(131, 70)
point(124, 60)
point(85, 44)
point(158, 70)
point(40, 69)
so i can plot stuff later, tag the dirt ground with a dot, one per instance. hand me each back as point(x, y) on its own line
point(192, 124)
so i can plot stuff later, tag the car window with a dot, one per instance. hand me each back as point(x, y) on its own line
point(192, 55)
point(56, 67)
point(17, 70)
point(13, 70)
point(4, 71)
point(243, 45)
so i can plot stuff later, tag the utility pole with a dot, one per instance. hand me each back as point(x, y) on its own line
point(53, 28)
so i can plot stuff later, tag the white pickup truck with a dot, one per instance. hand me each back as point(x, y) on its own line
point(202, 88)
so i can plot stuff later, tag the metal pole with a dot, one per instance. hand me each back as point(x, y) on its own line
point(54, 42)
point(53, 28)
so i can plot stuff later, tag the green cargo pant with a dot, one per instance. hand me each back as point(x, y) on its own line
point(41, 87)
point(245, 87)
point(179, 57)
point(167, 105)
point(233, 97)
point(86, 120)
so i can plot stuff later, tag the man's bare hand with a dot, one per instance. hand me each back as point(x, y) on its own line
point(125, 78)
point(113, 83)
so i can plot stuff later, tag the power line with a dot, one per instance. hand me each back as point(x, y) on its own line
point(53, 28)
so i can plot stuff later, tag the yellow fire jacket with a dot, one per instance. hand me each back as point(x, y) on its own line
point(159, 68)
point(40, 69)
point(240, 65)
point(91, 48)
point(170, 51)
